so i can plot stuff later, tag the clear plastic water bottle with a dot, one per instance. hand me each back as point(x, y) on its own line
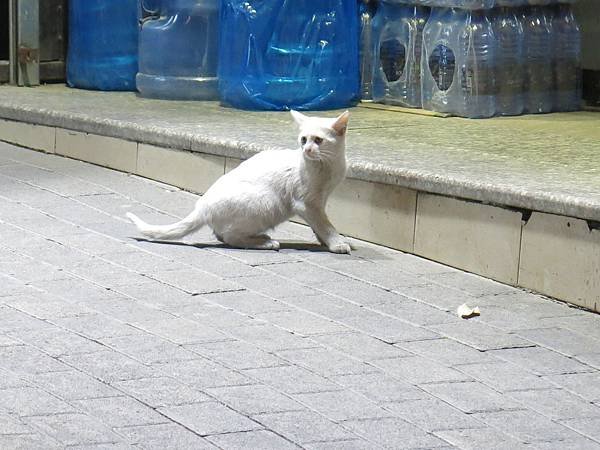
point(478, 65)
point(474, 4)
point(510, 73)
point(282, 54)
point(458, 63)
point(397, 54)
point(367, 10)
point(439, 59)
point(178, 50)
point(103, 44)
point(538, 52)
point(567, 64)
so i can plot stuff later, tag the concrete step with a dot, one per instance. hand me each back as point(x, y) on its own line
point(513, 199)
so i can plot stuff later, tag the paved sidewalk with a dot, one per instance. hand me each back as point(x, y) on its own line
point(110, 342)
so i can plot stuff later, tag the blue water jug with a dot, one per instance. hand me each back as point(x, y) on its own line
point(567, 59)
point(282, 54)
point(398, 31)
point(178, 49)
point(103, 44)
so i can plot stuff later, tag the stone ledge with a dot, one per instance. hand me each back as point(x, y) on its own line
point(419, 153)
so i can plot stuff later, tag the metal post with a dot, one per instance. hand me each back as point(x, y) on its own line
point(24, 42)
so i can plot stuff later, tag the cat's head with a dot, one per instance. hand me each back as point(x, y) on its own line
point(321, 138)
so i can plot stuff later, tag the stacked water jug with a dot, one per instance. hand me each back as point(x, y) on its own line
point(474, 58)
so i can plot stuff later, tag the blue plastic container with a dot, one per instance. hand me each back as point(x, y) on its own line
point(103, 44)
point(178, 49)
point(283, 54)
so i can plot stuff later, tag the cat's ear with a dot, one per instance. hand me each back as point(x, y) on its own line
point(341, 123)
point(298, 117)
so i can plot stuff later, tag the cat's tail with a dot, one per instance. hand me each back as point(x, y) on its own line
point(190, 223)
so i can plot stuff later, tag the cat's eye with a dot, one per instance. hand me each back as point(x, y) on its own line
point(303, 140)
point(318, 140)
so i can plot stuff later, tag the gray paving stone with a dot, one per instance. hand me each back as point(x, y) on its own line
point(74, 385)
point(47, 307)
point(236, 354)
point(182, 331)
point(202, 373)
point(361, 292)
point(387, 329)
point(9, 379)
point(471, 397)
point(325, 305)
point(415, 312)
point(214, 315)
point(561, 340)
point(261, 439)
point(109, 366)
point(27, 401)
point(586, 385)
point(27, 442)
point(477, 439)
point(254, 399)
point(76, 290)
point(271, 338)
point(591, 359)
point(380, 387)
point(27, 362)
point(392, 432)
point(446, 351)
point(349, 444)
point(432, 414)
point(13, 320)
point(481, 336)
point(557, 404)
point(120, 411)
point(194, 281)
point(302, 323)
point(247, 302)
point(148, 348)
point(325, 362)
point(527, 426)
point(256, 257)
point(587, 426)
point(471, 283)
point(504, 376)
point(223, 266)
point(95, 326)
point(305, 273)
point(275, 287)
point(73, 429)
point(128, 310)
point(419, 370)
point(361, 346)
point(161, 391)
point(13, 425)
point(341, 405)
point(170, 436)
point(571, 444)
point(58, 342)
point(209, 418)
point(438, 296)
point(157, 294)
point(541, 361)
point(292, 379)
point(303, 426)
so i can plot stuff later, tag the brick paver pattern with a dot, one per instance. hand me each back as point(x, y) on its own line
point(108, 341)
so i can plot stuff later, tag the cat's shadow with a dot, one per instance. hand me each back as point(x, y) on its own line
point(284, 245)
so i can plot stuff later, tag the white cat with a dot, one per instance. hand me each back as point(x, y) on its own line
point(271, 187)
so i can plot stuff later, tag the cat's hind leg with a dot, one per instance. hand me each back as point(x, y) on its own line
point(260, 242)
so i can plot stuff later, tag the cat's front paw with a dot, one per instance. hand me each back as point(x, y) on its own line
point(340, 247)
